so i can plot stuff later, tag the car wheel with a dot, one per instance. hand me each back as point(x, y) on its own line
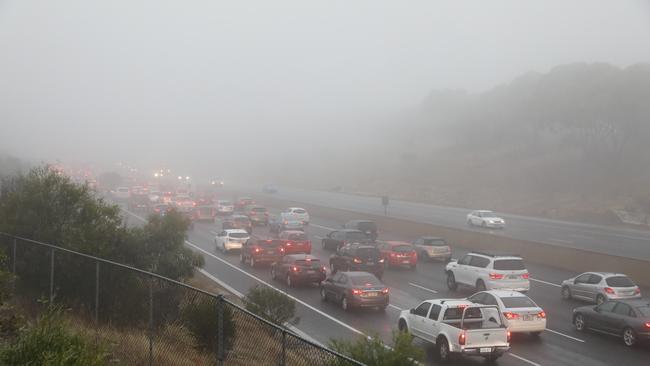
point(566, 293)
point(480, 285)
point(443, 350)
point(629, 337)
point(451, 281)
point(273, 274)
point(402, 326)
point(535, 334)
point(600, 299)
point(333, 268)
point(252, 262)
point(579, 323)
point(344, 304)
point(289, 281)
point(323, 294)
point(241, 257)
point(483, 224)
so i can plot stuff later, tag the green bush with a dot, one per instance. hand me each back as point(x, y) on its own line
point(51, 342)
point(372, 351)
point(271, 305)
point(201, 317)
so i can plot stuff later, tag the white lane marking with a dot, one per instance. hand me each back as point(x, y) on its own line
point(276, 289)
point(580, 236)
point(546, 283)
point(423, 288)
point(523, 359)
point(395, 307)
point(560, 241)
point(322, 227)
point(565, 335)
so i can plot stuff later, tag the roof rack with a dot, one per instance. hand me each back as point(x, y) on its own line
point(495, 254)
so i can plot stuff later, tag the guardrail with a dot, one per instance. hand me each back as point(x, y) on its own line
point(143, 318)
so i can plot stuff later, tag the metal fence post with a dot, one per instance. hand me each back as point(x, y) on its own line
point(283, 360)
point(151, 322)
point(13, 262)
point(51, 276)
point(96, 293)
point(220, 345)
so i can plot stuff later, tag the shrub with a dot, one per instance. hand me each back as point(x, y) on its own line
point(200, 317)
point(51, 342)
point(271, 305)
point(372, 351)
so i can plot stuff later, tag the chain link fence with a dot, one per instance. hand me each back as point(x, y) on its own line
point(145, 319)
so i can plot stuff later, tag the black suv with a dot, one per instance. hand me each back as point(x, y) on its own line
point(358, 257)
point(365, 226)
point(338, 238)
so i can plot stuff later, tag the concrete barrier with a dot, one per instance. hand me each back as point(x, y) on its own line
point(576, 260)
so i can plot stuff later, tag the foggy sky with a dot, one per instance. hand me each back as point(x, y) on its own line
point(208, 84)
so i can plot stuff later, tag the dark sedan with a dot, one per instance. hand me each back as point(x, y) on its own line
point(628, 319)
point(355, 290)
point(358, 257)
point(298, 268)
point(338, 238)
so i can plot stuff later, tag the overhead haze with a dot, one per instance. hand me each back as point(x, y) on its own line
point(233, 85)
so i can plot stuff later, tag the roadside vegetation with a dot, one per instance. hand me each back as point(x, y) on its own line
point(372, 351)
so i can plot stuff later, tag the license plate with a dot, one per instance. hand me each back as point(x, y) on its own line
point(371, 294)
point(528, 317)
point(370, 263)
point(310, 271)
point(270, 252)
point(406, 262)
point(512, 277)
point(486, 350)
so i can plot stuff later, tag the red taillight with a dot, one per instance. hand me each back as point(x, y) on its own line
point(609, 290)
point(510, 316)
point(384, 291)
point(356, 291)
point(509, 337)
point(281, 250)
point(392, 254)
point(647, 325)
point(637, 291)
point(324, 269)
point(356, 260)
point(414, 254)
point(525, 276)
point(295, 269)
point(461, 338)
point(541, 315)
point(288, 243)
point(257, 250)
point(496, 276)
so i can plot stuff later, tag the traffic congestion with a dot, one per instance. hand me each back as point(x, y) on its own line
point(463, 305)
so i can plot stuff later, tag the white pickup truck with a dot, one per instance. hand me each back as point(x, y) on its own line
point(458, 327)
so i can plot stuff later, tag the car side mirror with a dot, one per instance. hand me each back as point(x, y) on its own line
point(412, 311)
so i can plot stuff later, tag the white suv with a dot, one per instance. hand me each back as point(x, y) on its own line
point(230, 239)
point(295, 214)
point(488, 272)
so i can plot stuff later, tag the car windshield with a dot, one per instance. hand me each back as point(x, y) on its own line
point(488, 214)
point(365, 280)
point(297, 236)
point(352, 236)
point(367, 226)
point(225, 203)
point(367, 253)
point(238, 235)
point(619, 281)
point(258, 209)
point(644, 310)
point(242, 219)
point(311, 263)
point(509, 264)
point(434, 242)
point(299, 211)
point(402, 249)
point(269, 243)
point(518, 302)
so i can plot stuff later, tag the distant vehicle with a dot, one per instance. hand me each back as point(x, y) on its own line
point(161, 209)
point(204, 213)
point(258, 214)
point(298, 268)
point(398, 253)
point(231, 239)
point(600, 287)
point(485, 271)
point(256, 251)
point(365, 226)
point(628, 319)
point(355, 290)
point(277, 224)
point(295, 241)
point(358, 257)
point(238, 222)
point(225, 207)
point(139, 202)
point(458, 326)
point(183, 203)
point(167, 197)
point(431, 247)
point(521, 314)
point(486, 219)
point(154, 196)
point(270, 188)
point(338, 238)
point(122, 193)
point(242, 202)
point(295, 214)
point(182, 192)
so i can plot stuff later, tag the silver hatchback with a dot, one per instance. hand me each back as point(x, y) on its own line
point(600, 287)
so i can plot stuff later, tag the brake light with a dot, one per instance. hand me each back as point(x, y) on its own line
point(257, 250)
point(384, 291)
point(288, 243)
point(295, 269)
point(541, 315)
point(525, 276)
point(356, 260)
point(461, 306)
point(609, 290)
point(286, 222)
point(461, 338)
point(510, 316)
point(509, 337)
point(356, 291)
point(637, 291)
point(381, 260)
point(496, 276)
point(392, 254)
point(324, 269)
point(281, 250)
point(647, 324)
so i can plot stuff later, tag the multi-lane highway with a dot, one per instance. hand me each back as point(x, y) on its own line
point(617, 241)
point(559, 345)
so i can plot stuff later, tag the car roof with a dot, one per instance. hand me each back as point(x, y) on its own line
point(349, 231)
point(293, 231)
point(360, 221)
point(239, 231)
point(635, 302)
point(302, 257)
point(505, 293)
point(431, 238)
point(296, 208)
point(238, 217)
point(608, 274)
point(497, 256)
point(451, 302)
point(397, 243)
point(357, 273)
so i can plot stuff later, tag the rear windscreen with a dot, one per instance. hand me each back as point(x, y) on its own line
point(365, 280)
point(259, 209)
point(356, 236)
point(403, 249)
point(297, 236)
point(518, 302)
point(509, 264)
point(269, 243)
point(242, 219)
point(367, 253)
point(313, 263)
point(239, 235)
point(434, 242)
point(299, 211)
point(619, 281)
point(367, 226)
point(457, 313)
